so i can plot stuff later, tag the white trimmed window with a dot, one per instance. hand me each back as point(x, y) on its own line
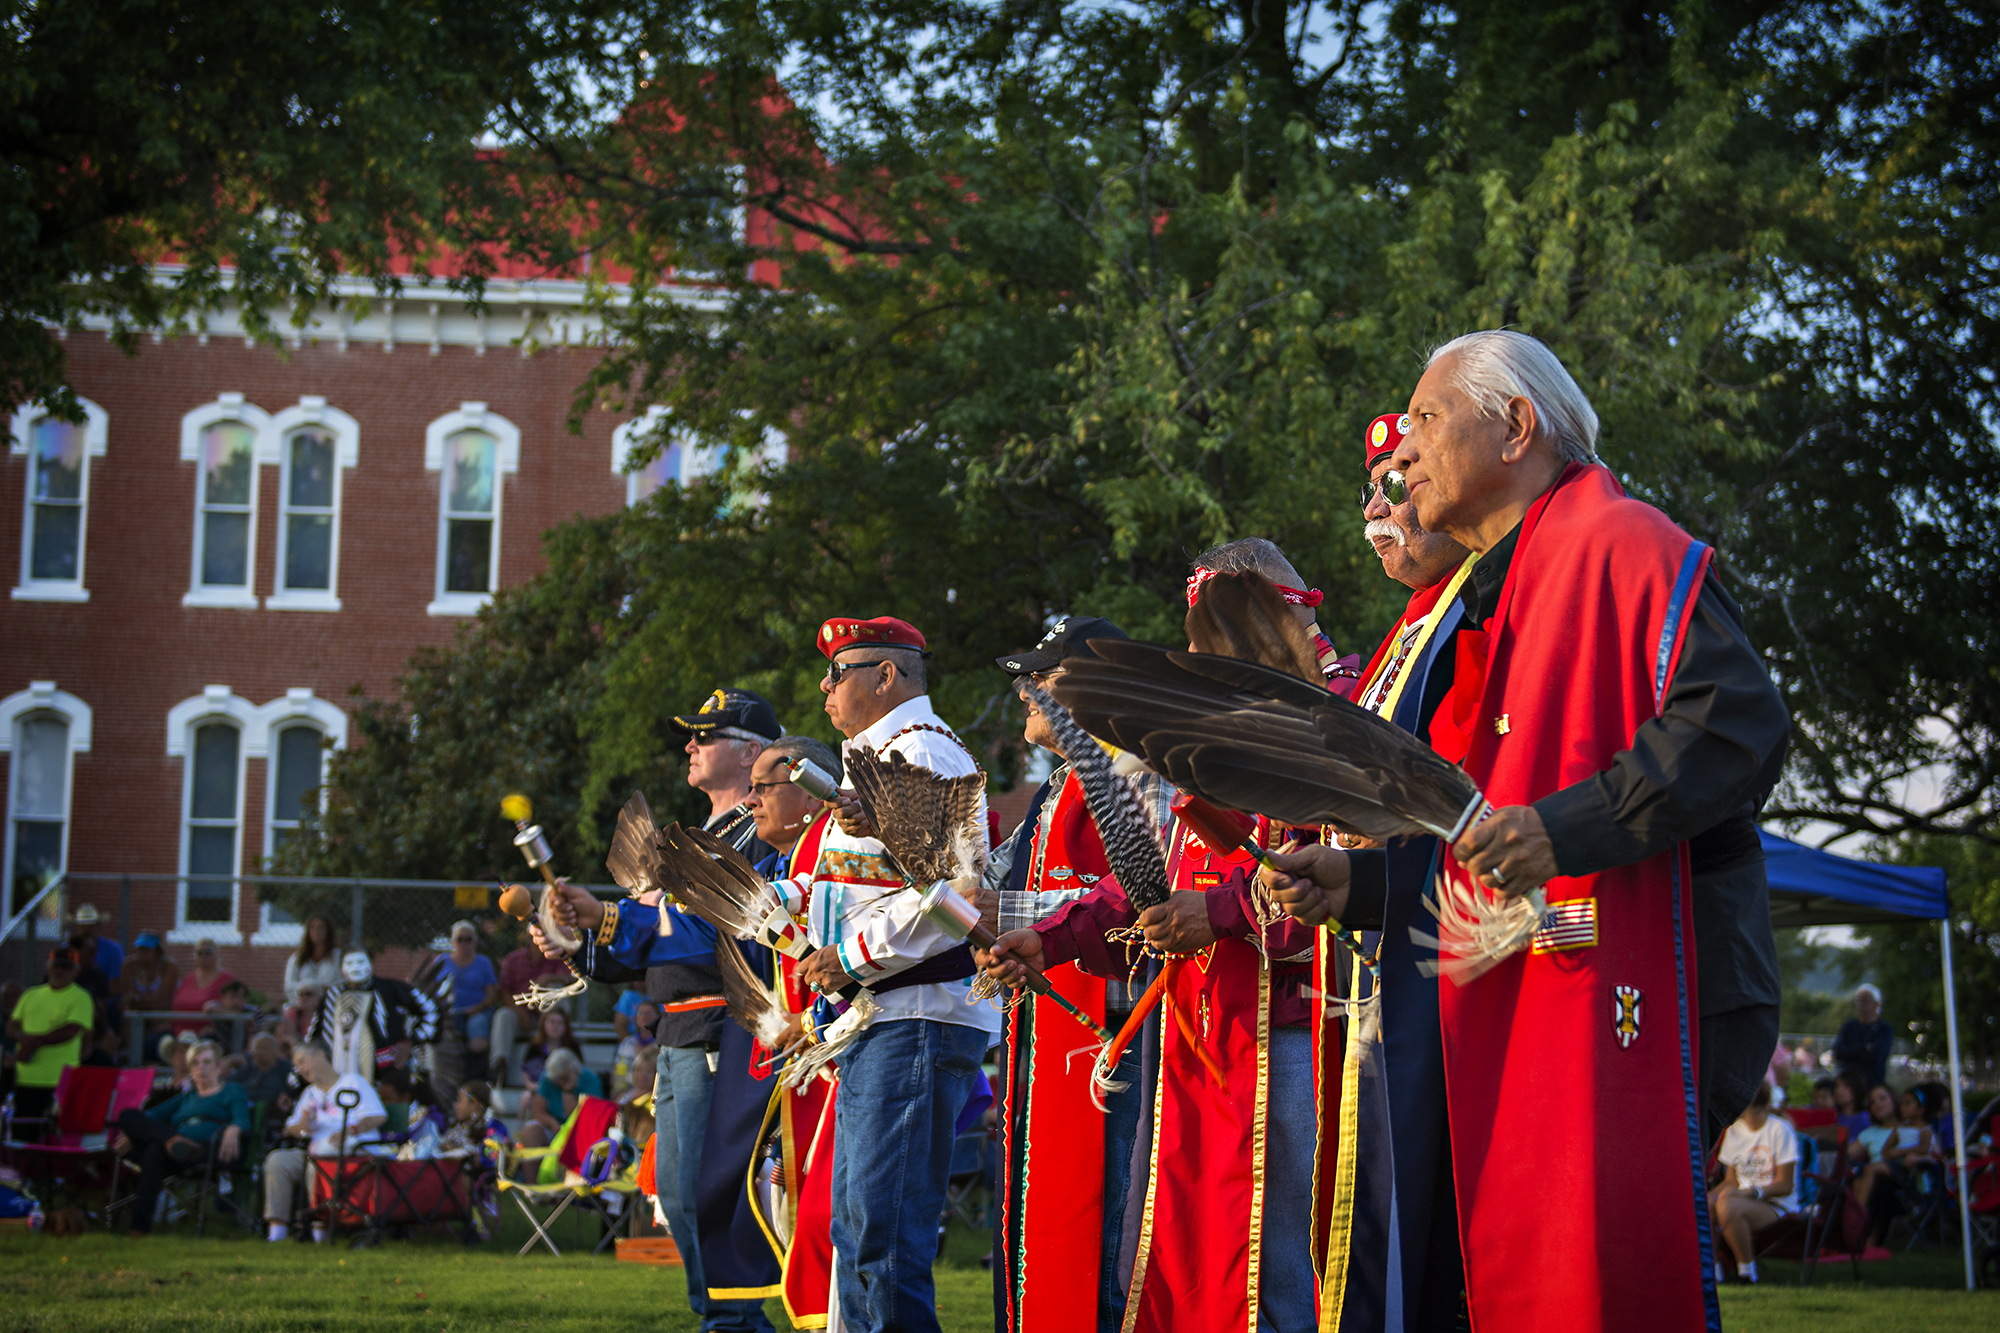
point(208, 734)
point(225, 441)
point(471, 450)
point(314, 445)
point(298, 731)
point(58, 453)
point(42, 729)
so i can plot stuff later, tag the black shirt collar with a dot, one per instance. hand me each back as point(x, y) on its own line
point(1481, 591)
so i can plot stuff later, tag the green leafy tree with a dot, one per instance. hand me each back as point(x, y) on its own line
point(1044, 298)
point(164, 157)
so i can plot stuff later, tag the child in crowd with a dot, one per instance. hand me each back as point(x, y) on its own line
point(473, 1121)
point(645, 1018)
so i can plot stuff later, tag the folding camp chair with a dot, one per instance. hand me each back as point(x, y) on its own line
point(968, 1191)
point(69, 1154)
point(560, 1180)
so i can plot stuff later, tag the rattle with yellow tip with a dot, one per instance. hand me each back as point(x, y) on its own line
point(516, 808)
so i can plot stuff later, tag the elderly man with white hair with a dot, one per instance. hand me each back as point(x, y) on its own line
point(1601, 691)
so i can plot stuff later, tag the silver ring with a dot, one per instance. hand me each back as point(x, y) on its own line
point(1499, 879)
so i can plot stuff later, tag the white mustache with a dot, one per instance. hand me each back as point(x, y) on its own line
point(1387, 527)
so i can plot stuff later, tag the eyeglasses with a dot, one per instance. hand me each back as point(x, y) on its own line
point(835, 670)
point(759, 788)
point(1392, 488)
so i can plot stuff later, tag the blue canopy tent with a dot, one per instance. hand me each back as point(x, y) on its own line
point(1810, 887)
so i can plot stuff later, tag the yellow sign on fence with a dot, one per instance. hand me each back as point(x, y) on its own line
point(473, 897)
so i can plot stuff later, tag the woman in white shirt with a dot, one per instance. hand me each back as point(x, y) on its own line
point(317, 962)
point(1761, 1151)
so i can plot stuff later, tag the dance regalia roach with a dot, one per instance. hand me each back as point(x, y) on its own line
point(1052, 1196)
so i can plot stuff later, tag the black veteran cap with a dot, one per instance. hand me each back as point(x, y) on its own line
point(1068, 637)
point(737, 714)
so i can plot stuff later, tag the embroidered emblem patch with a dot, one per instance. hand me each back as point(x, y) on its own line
point(1403, 424)
point(1566, 926)
point(1202, 881)
point(1084, 878)
point(1060, 872)
point(1379, 434)
point(1625, 1013)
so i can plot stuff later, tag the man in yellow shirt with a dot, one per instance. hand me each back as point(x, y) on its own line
point(48, 1027)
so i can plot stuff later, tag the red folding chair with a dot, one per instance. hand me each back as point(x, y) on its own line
point(72, 1156)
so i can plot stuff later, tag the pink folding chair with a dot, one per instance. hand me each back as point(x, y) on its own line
point(73, 1157)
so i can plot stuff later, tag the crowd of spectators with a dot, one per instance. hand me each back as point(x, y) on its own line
point(270, 1106)
point(1891, 1144)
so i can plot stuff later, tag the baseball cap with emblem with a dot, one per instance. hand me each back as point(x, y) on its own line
point(735, 714)
point(1068, 637)
point(1384, 434)
point(879, 632)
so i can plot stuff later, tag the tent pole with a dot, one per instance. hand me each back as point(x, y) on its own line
point(1957, 1101)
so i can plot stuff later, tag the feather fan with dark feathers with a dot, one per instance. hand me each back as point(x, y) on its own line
point(931, 824)
point(1131, 842)
point(714, 881)
point(1245, 616)
point(752, 1002)
point(1246, 736)
point(634, 859)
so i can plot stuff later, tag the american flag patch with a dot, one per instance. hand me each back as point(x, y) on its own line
point(1570, 925)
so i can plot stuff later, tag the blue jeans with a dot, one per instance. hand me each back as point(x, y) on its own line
point(1285, 1283)
point(682, 1085)
point(902, 1085)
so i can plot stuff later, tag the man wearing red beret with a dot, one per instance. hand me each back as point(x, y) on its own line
point(910, 1073)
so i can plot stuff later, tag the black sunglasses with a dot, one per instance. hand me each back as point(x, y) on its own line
point(1392, 488)
point(834, 670)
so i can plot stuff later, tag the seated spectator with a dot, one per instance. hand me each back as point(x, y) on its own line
point(329, 1131)
point(475, 990)
point(628, 1004)
point(1899, 1137)
point(518, 971)
point(234, 1000)
point(1850, 1104)
point(303, 1009)
point(553, 1031)
point(1822, 1096)
point(645, 1020)
point(148, 980)
point(211, 1116)
point(198, 987)
point(563, 1084)
point(49, 1024)
point(472, 1122)
point(1760, 1186)
point(635, 1104)
point(264, 1075)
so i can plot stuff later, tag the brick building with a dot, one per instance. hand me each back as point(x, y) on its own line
point(238, 538)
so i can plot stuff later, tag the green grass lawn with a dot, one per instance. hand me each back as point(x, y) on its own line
point(175, 1282)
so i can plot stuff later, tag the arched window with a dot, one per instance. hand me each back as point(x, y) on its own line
point(225, 441)
point(471, 450)
point(298, 730)
point(58, 454)
point(314, 445)
point(209, 734)
point(42, 729)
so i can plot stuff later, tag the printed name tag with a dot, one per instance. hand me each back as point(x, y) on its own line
point(1202, 881)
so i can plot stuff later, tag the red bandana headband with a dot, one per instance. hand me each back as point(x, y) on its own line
point(1296, 596)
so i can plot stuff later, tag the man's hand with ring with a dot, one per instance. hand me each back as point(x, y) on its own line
point(574, 907)
point(1509, 850)
point(823, 971)
point(1308, 881)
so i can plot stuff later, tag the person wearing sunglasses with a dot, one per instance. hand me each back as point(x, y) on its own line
point(908, 1075)
point(1601, 691)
